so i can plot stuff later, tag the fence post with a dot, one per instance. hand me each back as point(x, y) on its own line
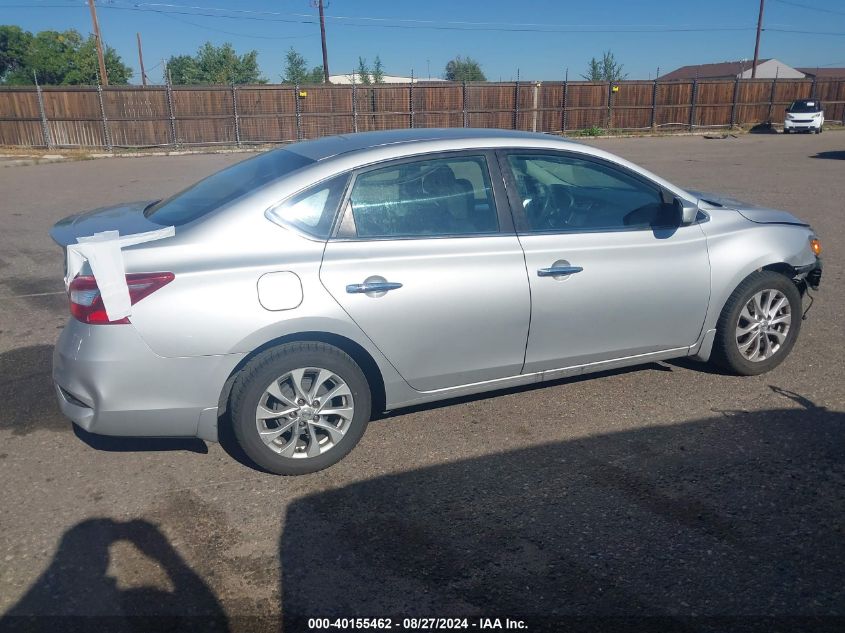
point(813, 90)
point(516, 101)
point(464, 103)
point(654, 106)
point(692, 105)
point(354, 107)
point(772, 99)
point(298, 110)
point(45, 127)
point(563, 112)
point(609, 105)
point(733, 106)
point(173, 140)
point(535, 104)
point(106, 135)
point(411, 100)
point(235, 114)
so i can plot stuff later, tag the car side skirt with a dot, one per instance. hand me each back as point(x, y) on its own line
point(540, 376)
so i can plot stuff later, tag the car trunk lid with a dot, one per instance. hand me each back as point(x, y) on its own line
point(126, 218)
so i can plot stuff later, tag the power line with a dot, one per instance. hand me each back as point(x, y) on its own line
point(573, 29)
point(811, 8)
point(840, 33)
point(250, 35)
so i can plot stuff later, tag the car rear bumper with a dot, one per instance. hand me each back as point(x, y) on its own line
point(108, 381)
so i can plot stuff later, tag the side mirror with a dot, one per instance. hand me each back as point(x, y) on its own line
point(687, 211)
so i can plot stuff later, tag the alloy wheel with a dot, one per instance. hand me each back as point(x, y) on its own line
point(763, 325)
point(305, 412)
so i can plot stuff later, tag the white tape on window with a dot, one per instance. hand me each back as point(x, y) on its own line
point(103, 254)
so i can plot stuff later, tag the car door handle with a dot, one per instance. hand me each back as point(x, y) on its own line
point(555, 271)
point(373, 286)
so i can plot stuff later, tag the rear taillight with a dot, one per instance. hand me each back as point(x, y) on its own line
point(86, 304)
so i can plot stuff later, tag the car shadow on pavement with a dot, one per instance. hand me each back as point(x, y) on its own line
point(75, 592)
point(729, 523)
point(831, 155)
point(113, 444)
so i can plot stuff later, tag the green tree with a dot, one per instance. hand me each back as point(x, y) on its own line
point(464, 69)
point(604, 69)
point(183, 70)
point(316, 76)
point(378, 71)
point(216, 65)
point(296, 71)
point(61, 57)
point(87, 68)
point(363, 72)
point(14, 44)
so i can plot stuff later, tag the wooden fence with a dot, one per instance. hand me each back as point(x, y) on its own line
point(174, 116)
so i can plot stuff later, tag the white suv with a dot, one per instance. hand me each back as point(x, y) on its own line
point(804, 115)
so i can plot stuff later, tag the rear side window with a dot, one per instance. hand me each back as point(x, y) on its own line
point(224, 187)
point(312, 211)
point(425, 198)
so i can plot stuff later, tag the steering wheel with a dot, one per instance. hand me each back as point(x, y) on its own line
point(557, 204)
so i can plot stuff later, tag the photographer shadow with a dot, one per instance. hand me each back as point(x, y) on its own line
point(75, 593)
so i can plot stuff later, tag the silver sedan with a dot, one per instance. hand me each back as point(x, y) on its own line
point(314, 286)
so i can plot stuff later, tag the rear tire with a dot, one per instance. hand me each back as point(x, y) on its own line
point(323, 403)
point(759, 324)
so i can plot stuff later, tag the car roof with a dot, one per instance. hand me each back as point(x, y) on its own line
point(329, 146)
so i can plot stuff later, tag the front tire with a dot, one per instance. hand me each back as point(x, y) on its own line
point(300, 407)
point(759, 324)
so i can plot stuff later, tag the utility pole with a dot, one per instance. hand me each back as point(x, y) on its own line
point(141, 60)
point(757, 43)
point(104, 77)
point(319, 5)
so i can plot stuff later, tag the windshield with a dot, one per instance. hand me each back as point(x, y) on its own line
point(224, 187)
point(805, 106)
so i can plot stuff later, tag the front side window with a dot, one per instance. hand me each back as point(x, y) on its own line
point(566, 193)
point(224, 187)
point(311, 211)
point(425, 198)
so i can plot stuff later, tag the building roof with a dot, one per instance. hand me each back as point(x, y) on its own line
point(388, 79)
point(824, 73)
point(712, 71)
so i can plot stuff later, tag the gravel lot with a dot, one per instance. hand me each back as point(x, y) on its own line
point(665, 491)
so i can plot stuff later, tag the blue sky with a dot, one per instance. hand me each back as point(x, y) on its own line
point(541, 38)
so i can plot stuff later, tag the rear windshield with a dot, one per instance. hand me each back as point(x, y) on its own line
point(224, 187)
point(805, 106)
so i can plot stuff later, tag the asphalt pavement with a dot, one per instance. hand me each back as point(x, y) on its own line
point(668, 495)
